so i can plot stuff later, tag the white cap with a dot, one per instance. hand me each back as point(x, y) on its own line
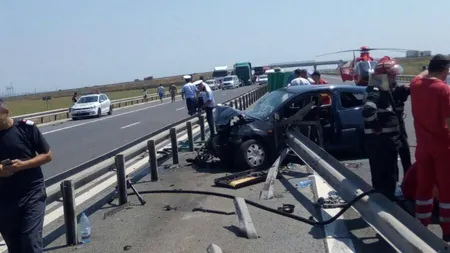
point(198, 82)
point(187, 77)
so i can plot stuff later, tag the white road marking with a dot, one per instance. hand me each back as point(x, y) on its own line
point(224, 94)
point(59, 212)
point(337, 237)
point(130, 125)
point(179, 109)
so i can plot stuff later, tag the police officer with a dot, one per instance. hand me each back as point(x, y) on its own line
point(23, 150)
point(381, 127)
point(189, 92)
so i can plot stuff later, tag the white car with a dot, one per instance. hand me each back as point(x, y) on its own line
point(94, 105)
point(230, 82)
point(262, 79)
point(213, 84)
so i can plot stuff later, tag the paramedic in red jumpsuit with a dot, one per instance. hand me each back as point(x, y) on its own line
point(430, 104)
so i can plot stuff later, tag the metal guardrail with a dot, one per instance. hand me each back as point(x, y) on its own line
point(401, 230)
point(98, 166)
point(63, 113)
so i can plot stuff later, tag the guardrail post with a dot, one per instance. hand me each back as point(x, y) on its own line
point(70, 217)
point(201, 122)
point(236, 104)
point(173, 139)
point(231, 103)
point(240, 103)
point(152, 160)
point(121, 179)
point(190, 136)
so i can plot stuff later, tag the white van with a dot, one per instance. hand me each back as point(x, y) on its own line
point(230, 82)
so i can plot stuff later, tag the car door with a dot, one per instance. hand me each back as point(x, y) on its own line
point(295, 111)
point(350, 121)
point(107, 103)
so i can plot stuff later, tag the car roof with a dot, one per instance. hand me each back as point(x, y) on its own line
point(325, 87)
point(94, 94)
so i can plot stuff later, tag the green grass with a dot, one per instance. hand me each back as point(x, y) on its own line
point(413, 66)
point(27, 106)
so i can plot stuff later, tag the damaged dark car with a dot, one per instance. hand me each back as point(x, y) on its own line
point(330, 115)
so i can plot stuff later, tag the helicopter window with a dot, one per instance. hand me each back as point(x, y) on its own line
point(351, 99)
point(365, 67)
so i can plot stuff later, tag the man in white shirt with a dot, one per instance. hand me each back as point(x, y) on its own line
point(299, 80)
point(189, 92)
point(161, 92)
point(208, 104)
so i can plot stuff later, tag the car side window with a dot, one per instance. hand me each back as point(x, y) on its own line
point(299, 103)
point(351, 99)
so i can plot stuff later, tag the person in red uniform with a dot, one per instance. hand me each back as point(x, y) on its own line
point(317, 79)
point(430, 105)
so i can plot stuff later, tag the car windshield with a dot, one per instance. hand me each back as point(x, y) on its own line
point(229, 78)
point(268, 103)
point(210, 82)
point(263, 77)
point(88, 99)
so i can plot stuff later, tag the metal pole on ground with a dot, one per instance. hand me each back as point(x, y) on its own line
point(152, 160)
point(70, 218)
point(121, 179)
point(190, 136)
point(174, 142)
point(201, 122)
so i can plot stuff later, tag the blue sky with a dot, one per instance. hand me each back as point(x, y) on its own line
point(54, 44)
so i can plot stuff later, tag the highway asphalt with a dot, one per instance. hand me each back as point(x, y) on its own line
point(75, 142)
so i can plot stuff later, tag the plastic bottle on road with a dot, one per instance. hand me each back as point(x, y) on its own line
point(85, 229)
point(304, 183)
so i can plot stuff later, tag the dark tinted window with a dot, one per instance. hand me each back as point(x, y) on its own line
point(351, 99)
point(88, 99)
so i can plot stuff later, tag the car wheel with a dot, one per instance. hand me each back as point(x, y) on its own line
point(99, 113)
point(252, 154)
point(74, 118)
point(110, 110)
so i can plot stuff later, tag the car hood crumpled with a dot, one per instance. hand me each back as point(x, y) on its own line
point(223, 114)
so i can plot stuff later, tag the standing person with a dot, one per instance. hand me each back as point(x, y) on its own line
point(317, 78)
point(299, 80)
point(381, 127)
point(23, 150)
point(161, 92)
point(144, 93)
point(189, 92)
point(304, 74)
point(75, 97)
point(173, 91)
point(430, 105)
point(208, 104)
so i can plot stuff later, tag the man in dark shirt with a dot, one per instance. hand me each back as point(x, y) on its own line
point(23, 150)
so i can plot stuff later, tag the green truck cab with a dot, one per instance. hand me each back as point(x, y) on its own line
point(243, 70)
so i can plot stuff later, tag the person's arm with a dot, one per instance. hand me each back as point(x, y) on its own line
point(44, 154)
point(370, 108)
point(445, 104)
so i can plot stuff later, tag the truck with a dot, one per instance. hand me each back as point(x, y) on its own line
point(219, 73)
point(244, 72)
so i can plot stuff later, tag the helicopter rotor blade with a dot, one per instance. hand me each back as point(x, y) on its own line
point(388, 49)
point(338, 52)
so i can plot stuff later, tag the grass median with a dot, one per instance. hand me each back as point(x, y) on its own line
point(27, 106)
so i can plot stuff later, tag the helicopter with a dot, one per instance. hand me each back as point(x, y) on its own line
point(359, 68)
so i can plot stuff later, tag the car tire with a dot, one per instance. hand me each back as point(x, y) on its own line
point(110, 110)
point(74, 118)
point(252, 154)
point(99, 113)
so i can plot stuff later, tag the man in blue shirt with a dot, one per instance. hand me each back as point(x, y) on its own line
point(189, 92)
point(208, 104)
